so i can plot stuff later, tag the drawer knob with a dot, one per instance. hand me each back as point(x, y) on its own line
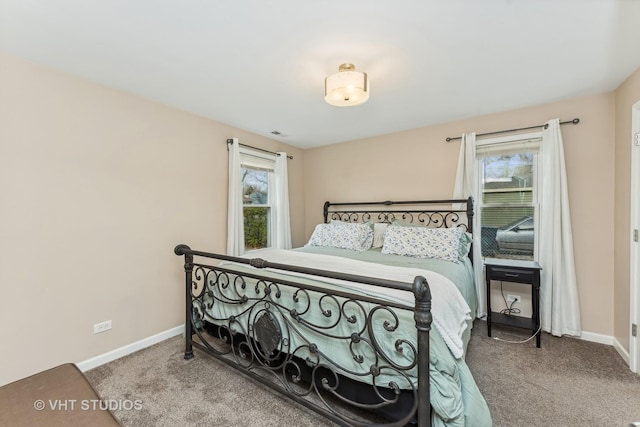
point(511, 274)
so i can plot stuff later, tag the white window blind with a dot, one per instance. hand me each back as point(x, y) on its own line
point(526, 143)
point(257, 160)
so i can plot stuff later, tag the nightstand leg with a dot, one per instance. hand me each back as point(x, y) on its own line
point(488, 296)
point(536, 308)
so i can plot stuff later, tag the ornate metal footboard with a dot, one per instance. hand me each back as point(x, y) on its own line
point(285, 333)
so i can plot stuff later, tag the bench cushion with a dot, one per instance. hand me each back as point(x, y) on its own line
point(60, 396)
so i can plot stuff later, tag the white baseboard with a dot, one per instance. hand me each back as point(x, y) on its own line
point(621, 351)
point(112, 355)
point(587, 336)
point(597, 338)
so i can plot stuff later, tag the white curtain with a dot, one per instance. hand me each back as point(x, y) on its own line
point(559, 308)
point(281, 237)
point(467, 185)
point(235, 222)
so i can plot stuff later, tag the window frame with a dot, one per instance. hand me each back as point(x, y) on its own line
point(512, 144)
point(261, 162)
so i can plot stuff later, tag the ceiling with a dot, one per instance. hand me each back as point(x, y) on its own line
point(260, 65)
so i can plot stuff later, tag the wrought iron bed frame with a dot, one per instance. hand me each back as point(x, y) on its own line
point(257, 341)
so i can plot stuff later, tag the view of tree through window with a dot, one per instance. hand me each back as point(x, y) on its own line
point(508, 206)
point(256, 208)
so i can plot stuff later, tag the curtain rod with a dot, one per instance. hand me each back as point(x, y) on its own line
point(574, 121)
point(230, 141)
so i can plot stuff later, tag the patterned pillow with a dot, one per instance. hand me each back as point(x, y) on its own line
point(423, 242)
point(465, 238)
point(345, 235)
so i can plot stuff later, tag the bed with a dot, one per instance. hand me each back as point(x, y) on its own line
point(345, 325)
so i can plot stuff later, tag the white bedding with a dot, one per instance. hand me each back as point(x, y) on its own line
point(450, 311)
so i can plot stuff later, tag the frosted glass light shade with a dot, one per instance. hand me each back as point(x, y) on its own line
point(347, 87)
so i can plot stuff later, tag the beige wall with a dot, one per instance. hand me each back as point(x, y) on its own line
point(625, 96)
point(419, 164)
point(97, 187)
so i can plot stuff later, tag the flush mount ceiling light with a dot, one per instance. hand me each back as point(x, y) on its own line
point(347, 87)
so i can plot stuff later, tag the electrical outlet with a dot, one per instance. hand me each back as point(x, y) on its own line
point(513, 298)
point(101, 327)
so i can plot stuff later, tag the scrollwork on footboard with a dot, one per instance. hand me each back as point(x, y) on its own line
point(316, 343)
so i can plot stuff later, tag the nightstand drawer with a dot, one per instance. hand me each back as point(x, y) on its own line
point(511, 275)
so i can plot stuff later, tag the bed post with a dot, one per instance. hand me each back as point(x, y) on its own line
point(325, 211)
point(188, 272)
point(423, 318)
point(470, 214)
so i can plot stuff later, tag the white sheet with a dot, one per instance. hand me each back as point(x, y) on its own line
point(449, 309)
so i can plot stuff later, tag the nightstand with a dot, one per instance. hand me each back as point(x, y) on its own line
point(515, 271)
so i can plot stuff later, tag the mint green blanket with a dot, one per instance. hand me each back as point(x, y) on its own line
point(455, 397)
point(461, 274)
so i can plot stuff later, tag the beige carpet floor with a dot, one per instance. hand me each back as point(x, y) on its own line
point(567, 382)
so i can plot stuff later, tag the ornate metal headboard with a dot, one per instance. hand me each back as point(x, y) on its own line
point(432, 213)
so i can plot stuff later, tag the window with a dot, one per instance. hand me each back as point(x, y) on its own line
point(508, 200)
point(257, 175)
point(258, 199)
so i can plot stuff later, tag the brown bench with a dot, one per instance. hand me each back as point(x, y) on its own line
point(60, 396)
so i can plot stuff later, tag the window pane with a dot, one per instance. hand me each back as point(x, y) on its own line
point(508, 232)
point(256, 227)
point(255, 186)
point(507, 211)
point(508, 178)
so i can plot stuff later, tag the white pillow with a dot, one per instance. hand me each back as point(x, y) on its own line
point(378, 234)
point(423, 242)
point(345, 235)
